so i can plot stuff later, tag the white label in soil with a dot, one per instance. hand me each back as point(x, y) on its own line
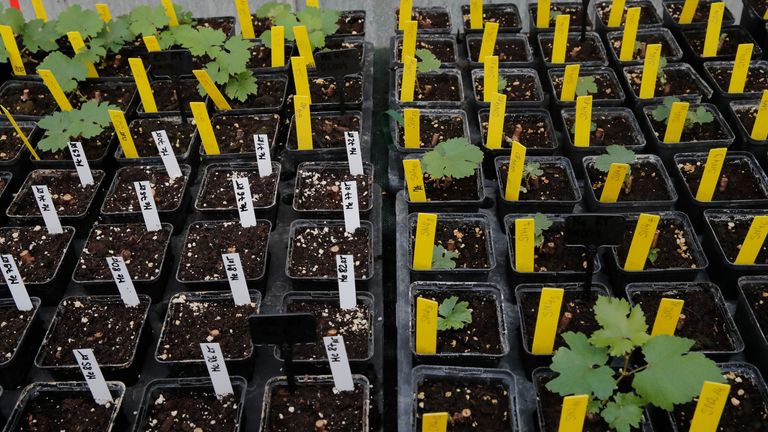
point(47, 209)
point(345, 269)
point(337, 358)
point(354, 154)
point(350, 206)
point(263, 158)
point(147, 205)
point(93, 376)
point(123, 280)
point(81, 163)
point(166, 153)
point(244, 201)
point(15, 283)
point(236, 276)
point(217, 369)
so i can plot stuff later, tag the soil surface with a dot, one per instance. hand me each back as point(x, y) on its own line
point(313, 251)
point(326, 91)
point(166, 97)
point(729, 42)
point(529, 129)
point(270, 94)
point(58, 411)
point(576, 315)
point(553, 184)
point(261, 56)
point(435, 128)
point(671, 82)
point(184, 409)
point(509, 50)
point(471, 406)
point(166, 191)
point(69, 197)
point(355, 325)
point(607, 87)
point(179, 134)
point(647, 183)
point(747, 117)
point(318, 187)
point(576, 51)
point(610, 128)
point(711, 131)
point(13, 323)
point(468, 238)
point(443, 49)
point(757, 297)
point(521, 87)
point(451, 189)
point(741, 183)
point(435, 87)
point(115, 93)
point(29, 98)
point(731, 232)
point(553, 255)
point(701, 16)
point(428, 18)
point(225, 24)
point(647, 13)
point(234, 134)
point(37, 252)
point(643, 40)
point(10, 142)
point(757, 78)
point(508, 17)
point(574, 10)
point(312, 403)
point(351, 22)
point(328, 130)
point(672, 249)
point(218, 193)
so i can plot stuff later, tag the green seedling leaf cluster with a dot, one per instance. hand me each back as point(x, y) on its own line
point(443, 258)
point(455, 158)
point(614, 154)
point(320, 22)
point(530, 171)
point(502, 84)
point(85, 122)
point(427, 61)
point(541, 223)
point(586, 85)
point(700, 115)
point(453, 314)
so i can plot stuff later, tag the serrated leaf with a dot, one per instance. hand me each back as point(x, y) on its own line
point(116, 34)
point(443, 258)
point(702, 115)
point(502, 84)
point(427, 61)
point(202, 41)
point(622, 330)
point(453, 314)
point(541, 223)
point(60, 127)
point(146, 20)
point(661, 112)
point(581, 369)
point(40, 36)
point(75, 18)
point(273, 9)
point(455, 158)
point(614, 154)
point(68, 71)
point(288, 21)
point(175, 36)
point(241, 86)
point(624, 412)
point(266, 38)
point(586, 85)
point(397, 115)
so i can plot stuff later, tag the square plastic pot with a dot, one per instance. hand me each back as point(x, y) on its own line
point(750, 290)
point(695, 56)
point(13, 370)
point(316, 79)
point(617, 92)
point(540, 99)
point(541, 122)
point(258, 106)
point(453, 75)
point(492, 13)
point(565, 8)
point(332, 213)
point(753, 22)
point(648, 12)
point(417, 11)
point(19, 164)
point(288, 49)
point(505, 207)
point(452, 206)
point(502, 40)
point(140, 113)
point(5, 192)
point(643, 35)
point(103, 162)
point(38, 87)
point(395, 48)
point(722, 270)
point(349, 15)
point(188, 157)
point(424, 116)
point(338, 153)
point(703, 93)
point(274, 140)
point(671, 10)
point(573, 36)
point(722, 98)
point(744, 140)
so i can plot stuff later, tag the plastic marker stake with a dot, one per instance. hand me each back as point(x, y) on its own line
point(76, 40)
point(650, 71)
point(103, 10)
point(147, 205)
point(246, 22)
point(496, 121)
point(524, 244)
point(210, 88)
point(560, 43)
point(278, 46)
point(570, 81)
point(123, 280)
point(305, 47)
point(710, 406)
point(543, 14)
point(475, 14)
point(151, 43)
point(336, 351)
point(303, 122)
point(123, 134)
point(573, 413)
point(412, 127)
point(166, 153)
point(617, 13)
point(675, 123)
point(244, 201)
point(714, 25)
point(434, 422)
point(409, 40)
point(171, 12)
point(12, 48)
point(350, 206)
point(313, 3)
point(406, 13)
point(55, 89)
point(689, 10)
point(204, 127)
point(754, 241)
point(489, 41)
point(81, 163)
point(263, 156)
point(354, 153)
point(546, 321)
point(613, 182)
point(39, 8)
point(414, 181)
point(300, 77)
point(760, 130)
point(142, 83)
point(645, 231)
point(426, 225)
point(20, 133)
point(408, 81)
point(15, 4)
point(711, 176)
point(236, 277)
point(630, 34)
point(345, 276)
point(583, 128)
point(217, 369)
point(740, 68)
point(86, 359)
point(667, 317)
point(426, 326)
point(47, 209)
point(490, 78)
point(15, 283)
point(515, 171)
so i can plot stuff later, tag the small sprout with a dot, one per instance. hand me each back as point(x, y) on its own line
point(586, 85)
point(614, 154)
point(396, 115)
point(662, 65)
point(443, 258)
point(541, 223)
point(700, 115)
point(455, 158)
point(502, 84)
point(531, 173)
point(427, 61)
point(453, 314)
point(653, 255)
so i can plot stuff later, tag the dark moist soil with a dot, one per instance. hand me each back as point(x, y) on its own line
point(428, 19)
point(60, 410)
point(353, 324)
point(742, 184)
point(225, 24)
point(351, 22)
point(645, 39)
point(430, 88)
point(506, 16)
point(647, 15)
point(553, 185)
point(576, 13)
point(530, 130)
point(325, 90)
point(508, 50)
point(729, 42)
point(313, 251)
point(451, 189)
point(607, 87)
point(166, 98)
point(319, 188)
point(115, 93)
point(235, 133)
point(37, 103)
point(341, 44)
point(747, 116)
point(37, 253)
point(677, 82)
point(95, 148)
point(758, 6)
point(179, 134)
point(69, 197)
point(711, 131)
point(191, 322)
point(519, 88)
point(757, 297)
point(435, 128)
point(166, 191)
point(701, 16)
point(311, 403)
point(261, 56)
point(487, 404)
point(206, 241)
point(143, 251)
point(612, 129)
point(11, 143)
point(576, 51)
point(116, 64)
point(481, 336)
point(648, 183)
point(731, 232)
point(576, 315)
point(673, 244)
point(554, 255)
point(13, 323)
point(468, 238)
point(757, 78)
point(269, 94)
point(745, 410)
point(443, 49)
point(184, 409)
point(328, 130)
point(218, 193)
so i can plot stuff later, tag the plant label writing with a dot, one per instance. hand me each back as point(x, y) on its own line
point(560, 44)
point(300, 77)
point(667, 317)
point(412, 127)
point(147, 205)
point(515, 171)
point(81, 163)
point(570, 81)
point(758, 231)
point(236, 277)
point(740, 68)
point(263, 156)
point(689, 10)
point(613, 182)
point(354, 153)
point(345, 273)
point(303, 122)
point(123, 280)
point(15, 283)
point(547, 320)
point(645, 231)
point(409, 40)
point(426, 225)
point(573, 413)
point(408, 80)
point(583, 127)
point(496, 121)
point(524, 244)
point(489, 41)
point(350, 205)
point(426, 326)
point(339, 362)
point(710, 406)
point(93, 376)
point(711, 176)
point(47, 208)
point(414, 180)
point(434, 422)
point(490, 77)
point(760, 130)
point(217, 369)
point(714, 25)
point(244, 201)
point(675, 123)
point(12, 48)
point(630, 34)
point(650, 71)
point(123, 134)
point(166, 153)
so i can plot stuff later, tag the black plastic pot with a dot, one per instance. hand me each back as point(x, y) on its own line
point(254, 105)
point(508, 10)
point(336, 153)
point(502, 40)
point(332, 213)
point(140, 113)
point(39, 88)
point(573, 36)
point(694, 56)
point(703, 92)
point(5, 192)
point(19, 164)
point(542, 124)
point(453, 206)
point(722, 98)
point(751, 322)
point(744, 140)
point(13, 370)
point(565, 8)
point(540, 99)
point(648, 11)
point(317, 80)
point(188, 157)
point(614, 40)
point(274, 139)
point(416, 12)
point(425, 116)
point(453, 75)
point(396, 44)
point(616, 91)
point(671, 9)
point(722, 269)
point(753, 22)
point(288, 49)
point(504, 207)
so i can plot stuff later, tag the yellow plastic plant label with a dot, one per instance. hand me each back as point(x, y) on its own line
point(650, 71)
point(53, 86)
point(475, 14)
point(525, 241)
point(142, 83)
point(714, 25)
point(424, 245)
point(300, 77)
point(151, 43)
point(760, 130)
point(171, 12)
point(277, 36)
point(412, 127)
point(303, 122)
point(710, 406)
point(515, 172)
point(645, 230)
point(711, 176)
point(667, 317)
point(39, 8)
point(754, 241)
point(20, 133)
point(689, 10)
point(414, 180)
point(740, 68)
point(570, 80)
point(434, 422)
point(409, 39)
point(204, 127)
point(313, 4)
point(496, 121)
point(104, 13)
point(305, 47)
point(488, 44)
point(14, 55)
point(561, 39)
point(543, 12)
point(613, 182)
point(583, 127)
point(426, 326)
point(630, 34)
point(490, 78)
point(675, 123)
point(210, 88)
point(406, 12)
point(617, 13)
point(573, 413)
point(244, 15)
point(76, 40)
point(123, 134)
point(408, 83)
point(547, 319)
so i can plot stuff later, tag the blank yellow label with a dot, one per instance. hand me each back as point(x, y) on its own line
point(408, 83)
point(55, 89)
point(573, 413)
point(434, 422)
point(689, 10)
point(754, 241)
point(650, 71)
point(570, 80)
point(303, 122)
point(151, 43)
point(20, 133)
point(667, 316)
point(630, 34)
point(412, 127)
point(76, 40)
point(675, 123)
point(475, 14)
point(277, 36)
point(543, 14)
point(617, 13)
point(171, 12)
point(525, 241)
point(715, 23)
point(204, 127)
point(760, 130)
point(496, 121)
point(613, 182)
point(426, 325)
point(300, 77)
point(515, 172)
point(424, 245)
point(710, 406)
point(490, 78)
point(39, 8)
point(9, 40)
point(414, 180)
point(305, 47)
point(123, 134)
point(409, 40)
point(561, 39)
point(244, 15)
point(583, 121)
point(489, 41)
point(645, 230)
point(546, 321)
point(210, 88)
point(313, 4)
point(406, 12)
point(711, 176)
point(740, 68)
point(103, 10)
point(142, 83)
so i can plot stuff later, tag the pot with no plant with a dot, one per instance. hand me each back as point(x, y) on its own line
point(548, 184)
point(726, 234)
point(599, 82)
point(743, 117)
point(27, 100)
point(429, 19)
point(532, 128)
point(317, 192)
point(678, 80)
point(719, 73)
point(521, 86)
point(180, 135)
point(692, 42)
point(21, 336)
point(14, 155)
point(234, 135)
point(505, 14)
point(328, 140)
point(588, 51)
point(752, 319)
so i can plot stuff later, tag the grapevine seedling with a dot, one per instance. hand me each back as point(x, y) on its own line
point(502, 84)
point(320, 22)
point(700, 115)
point(586, 85)
point(453, 314)
point(452, 159)
point(653, 254)
point(88, 121)
point(617, 154)
point(427, 61)
point(531, 173)
point(443, 258)
point(541, 223)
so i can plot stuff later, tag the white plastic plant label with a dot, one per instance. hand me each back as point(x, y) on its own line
point(263, 158)
point(244, 201)
point(337, 358)
point(236, 277)
point(217, 369)
point(47, 209)
point(345, 270)
point(81, 163)
point(166, 153)
point(350, 206)
point(15, 283)
point(123, 280)
point(147, 205)
point(354, 153)
point(93, 376)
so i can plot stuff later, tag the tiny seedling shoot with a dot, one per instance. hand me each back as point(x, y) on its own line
point(617, 154)
point(541, 223)
point(453, 314)
point(532, 172)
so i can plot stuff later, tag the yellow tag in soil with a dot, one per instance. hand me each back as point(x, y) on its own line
point(412, 128)
point(142, 83)
point(617, 13)
point(244, 15)
point(475, 14)
point(426, 326)
point(489, 41)
point(313, 4)
point(210, 88)
point(754, 241)
point(204, 127)
point(650, 71)
point(560, 43)
point(709, 409)
point(613, 182)
point(408, 83)
point(409, 40)
point(525, 240)
point(630, 34)
point(300, 77)
point(711, 176)
point(277, 36)
point(151, 43)
point(414, 181)
point(39, 8)
point(305, 47)
point(496, 121)
point(20, 133)
point(645, 230)
point(740, 68)
point(714, 25)
point(406, 13)
point(760, 130)
point(171, 12)
point(689, 10)
point(667, 316)
point(583, 127)
point(104, 13)
point(515, 172)
point(14, 55)
point(424, 245)
point(434, 422)
point(573, 413)
point(123, 134)
point(76, 40)
point(490, 78)
point(543, 11)
point(546, 321)
point(303, 122)
point(55, 89)
point(570, 80)
point(675, 123)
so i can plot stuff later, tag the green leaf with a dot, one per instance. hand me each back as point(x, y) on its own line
point(68, 71)
point(40, 36)
point(673, 376)
point(289, 21)
point(502, 84)
point(455, 158)
point(586, 85)
point(146, 20)
point(581, 368)
point(653, 254)
point(115, 35)
point(13, 17)
point(701, 116)
point(624, 412)
point(541, 223)
point(176, 36)
point(661, 112)
point(273, 9)
point(453, 314)
point(202, 41)
point(241, 86)
point(396, 115)
point(320, 23)
point(614, 154)
point(62, 126)
point(427, 61)
point(622, 330)
point(442, 258)
point(266, 39)
point(75, 18)
point(532, 169)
